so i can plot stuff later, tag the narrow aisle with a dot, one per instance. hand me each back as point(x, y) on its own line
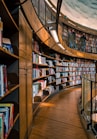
point(58, 118)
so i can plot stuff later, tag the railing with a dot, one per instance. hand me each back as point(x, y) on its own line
point(89, 101)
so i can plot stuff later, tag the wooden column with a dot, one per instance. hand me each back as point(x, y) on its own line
point(25, 73)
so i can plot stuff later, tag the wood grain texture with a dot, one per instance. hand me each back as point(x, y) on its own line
point(25, 74)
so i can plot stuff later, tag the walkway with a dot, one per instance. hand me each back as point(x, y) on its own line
point(58, 118)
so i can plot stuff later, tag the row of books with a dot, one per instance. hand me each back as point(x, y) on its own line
point(64, 74)
point(64, 83)
point(71, 71)
point(58, 81)
point(50, 63)
point(51, 71)
point(51, 79)
point(39, 85)
point(50, 88)
point(39, 72)
point(38, 59)
point(64, 80)
point(6, 118)
point(91, 40)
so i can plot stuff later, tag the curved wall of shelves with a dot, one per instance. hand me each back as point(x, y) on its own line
point(60, 72)
point(48, 40)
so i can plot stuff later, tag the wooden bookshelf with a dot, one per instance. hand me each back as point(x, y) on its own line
point(19, 68)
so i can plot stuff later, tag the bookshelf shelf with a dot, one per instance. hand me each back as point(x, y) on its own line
point(16, 118)
point(9, 91)
point(40, 78)
point(43, 65)
point(51, 75)
point(52, 67)
point(49, 57)
point(6, 54)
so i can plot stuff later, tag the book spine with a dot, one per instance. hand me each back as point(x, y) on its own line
point(5, 78)
point(1, 81)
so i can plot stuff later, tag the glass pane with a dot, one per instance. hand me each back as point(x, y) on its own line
point(42, 11)
point(94, 107)
point(35, 4)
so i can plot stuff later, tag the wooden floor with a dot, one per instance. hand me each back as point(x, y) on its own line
point(58, 118)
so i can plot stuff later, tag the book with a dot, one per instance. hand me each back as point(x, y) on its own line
point(36, 88)
point(1, 126)
point(36, 46)
point(5, 112)
point(5, 78)
point(7, 45)
point(1, 81)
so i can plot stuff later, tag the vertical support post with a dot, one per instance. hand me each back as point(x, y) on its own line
point(90, 124)
point(91, 105)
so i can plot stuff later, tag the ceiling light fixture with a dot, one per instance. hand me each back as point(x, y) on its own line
point(48, 3)
point(61, 46)
point(54, 35)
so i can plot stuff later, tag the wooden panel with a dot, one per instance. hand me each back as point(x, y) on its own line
point(22, 79)
point(25, 40)
point(29, 78)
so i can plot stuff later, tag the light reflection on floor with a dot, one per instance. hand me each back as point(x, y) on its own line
point(45, 104)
